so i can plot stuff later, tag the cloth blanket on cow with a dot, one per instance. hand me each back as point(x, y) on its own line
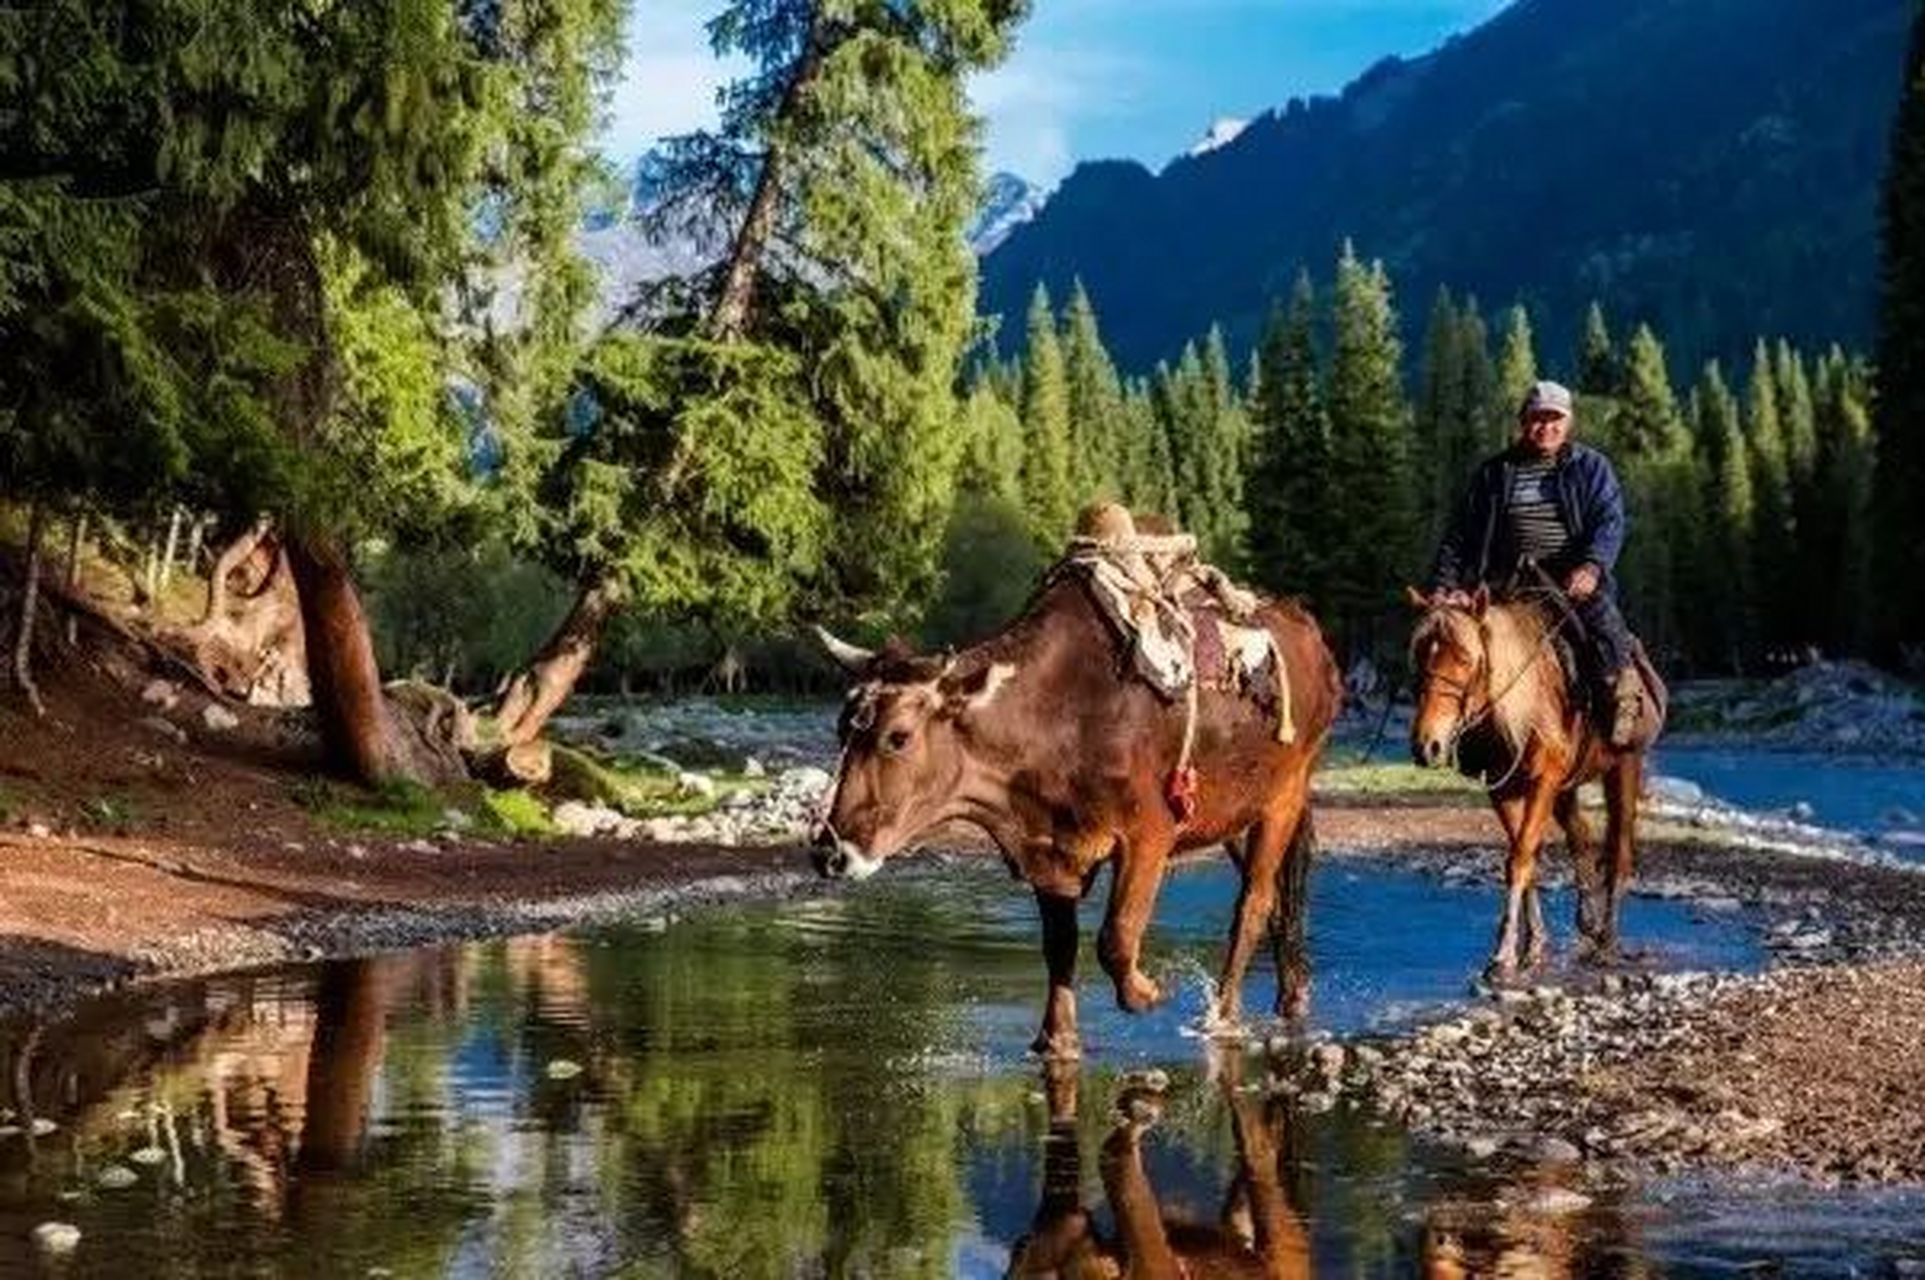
point(1183, 623)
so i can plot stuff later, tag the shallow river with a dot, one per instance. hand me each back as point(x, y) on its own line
point(831, 1086)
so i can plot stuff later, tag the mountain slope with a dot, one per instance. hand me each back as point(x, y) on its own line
point(1708, 165)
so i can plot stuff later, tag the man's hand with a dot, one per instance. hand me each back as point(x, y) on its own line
point(1582, 582)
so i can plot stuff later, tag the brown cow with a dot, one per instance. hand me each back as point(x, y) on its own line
point(1044, 738)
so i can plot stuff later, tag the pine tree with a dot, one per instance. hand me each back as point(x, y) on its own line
point(232, 187)
point(1597, 358)
point(1729, 577)
point(1373, 533)
point(1516, 368)
point(1655, 462)
point(1440, 393)
point(993, 457)
point(1775, 551)
point(1289, 489)
point(1156, 486)
point(1795, 412)
point(1095, 403)
point(1226, 458)
point(1843, 530)
point(1901, 365)
point(1047, 477)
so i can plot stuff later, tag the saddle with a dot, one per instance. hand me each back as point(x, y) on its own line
point(1182, 623)
point(1576, 667)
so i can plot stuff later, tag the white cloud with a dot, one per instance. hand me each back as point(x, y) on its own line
point(1033, 103)
point(669, 77)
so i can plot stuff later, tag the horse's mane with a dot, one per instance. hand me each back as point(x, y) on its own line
point(1526, 678)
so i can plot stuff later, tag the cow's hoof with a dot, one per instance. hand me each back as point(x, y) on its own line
point(1224, 1021)
point(1599, 952)
point(1294, 1006)
point(1500, 972)
point(1064, 1046)
point(1138, 993)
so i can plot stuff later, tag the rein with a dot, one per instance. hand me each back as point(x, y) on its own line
point(1461, 690)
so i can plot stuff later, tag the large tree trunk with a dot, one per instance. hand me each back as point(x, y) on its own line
point(359, 730)
point(730, 316)
point(537, 692)
point(29, 605)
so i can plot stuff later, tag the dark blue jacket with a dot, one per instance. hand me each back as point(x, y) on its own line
point(1588, 495)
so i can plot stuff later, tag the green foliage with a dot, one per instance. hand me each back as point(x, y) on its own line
point(458, 615)
point(990, 566)
point(516, 813)
point(1901, 365)
point(692, 475)
point(1289, 489)
point(1098, 443)
point(1516, 370)
point(1727, 467)
point(1370, 459)
point(1048, 479)
point(1597, 357)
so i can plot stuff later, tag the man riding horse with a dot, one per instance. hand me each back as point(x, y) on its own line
point(1550, 501)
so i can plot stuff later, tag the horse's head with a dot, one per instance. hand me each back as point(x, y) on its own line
point(1449, 659)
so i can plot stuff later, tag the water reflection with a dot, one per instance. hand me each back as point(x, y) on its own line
point(1259, 1229)
point(811, 1089)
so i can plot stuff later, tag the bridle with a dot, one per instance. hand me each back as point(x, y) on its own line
point(1460, 691)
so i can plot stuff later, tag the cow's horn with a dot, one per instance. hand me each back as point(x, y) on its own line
point(851, 658)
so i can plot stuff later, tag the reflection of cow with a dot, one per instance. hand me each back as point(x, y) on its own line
point(1258, 1234)
point(1041, 737)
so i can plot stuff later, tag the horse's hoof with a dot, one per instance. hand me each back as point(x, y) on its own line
point(1500, 973)
point(1222, 1023)
point(1293, 1002)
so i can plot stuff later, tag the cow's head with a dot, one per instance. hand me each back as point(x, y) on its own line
point(905, 738)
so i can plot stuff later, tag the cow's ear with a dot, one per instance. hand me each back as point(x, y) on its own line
point(1480, 601)
point(1416, 599)
point(975, 690)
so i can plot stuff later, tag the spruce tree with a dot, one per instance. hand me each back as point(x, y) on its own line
point(1729, 563)
point(1597, 358)
point(1289, 490)
point(1095, 403)
point(1516, 368)
point(1843, 531)
point(1655, 462)
point(1796, 413)
point(1440, 392)
point(1901, 366)
point(993, 456)
point(1155, 489)
point(1774, 574)
point(1373, 532)
point(1047, 476)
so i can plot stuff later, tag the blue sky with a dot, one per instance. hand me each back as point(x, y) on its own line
point(1089, 78)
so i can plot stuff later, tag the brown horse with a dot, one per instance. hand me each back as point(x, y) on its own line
point(1494, 703)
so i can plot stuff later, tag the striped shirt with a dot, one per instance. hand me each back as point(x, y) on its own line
point(1535, 524)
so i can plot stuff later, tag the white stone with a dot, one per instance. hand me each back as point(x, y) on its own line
point(563, 1069)
point(219, 718)
point(147, 1156)
point(753, 768)
point(696, 784)
point(57, 1239)
point(164, 694)
point(116, 1177)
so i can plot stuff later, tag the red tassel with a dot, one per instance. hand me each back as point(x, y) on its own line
point(1180, 793)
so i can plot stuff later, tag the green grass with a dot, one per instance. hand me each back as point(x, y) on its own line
point(114, 813)
point(1382, 777)
point(637, 788)
point(393, 809)
point(516, 813)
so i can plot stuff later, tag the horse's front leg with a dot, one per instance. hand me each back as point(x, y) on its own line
point(1138, 874)
point(1058, 1039)
point(1524, 816)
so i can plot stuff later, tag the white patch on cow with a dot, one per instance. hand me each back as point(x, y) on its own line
point(859, 865)
point(1000, 674)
